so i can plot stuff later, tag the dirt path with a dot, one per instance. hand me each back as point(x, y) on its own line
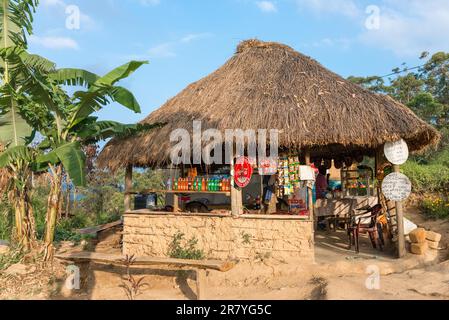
point(336, 274)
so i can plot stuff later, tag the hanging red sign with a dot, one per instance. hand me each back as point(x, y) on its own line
point(243, 172)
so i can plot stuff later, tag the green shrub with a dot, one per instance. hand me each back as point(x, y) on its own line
point(181, 249)
point(436, 207)
point(432, 177)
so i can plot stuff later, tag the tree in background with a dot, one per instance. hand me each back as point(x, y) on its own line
point(32, 100)
point(73, 127)
point(423, 89)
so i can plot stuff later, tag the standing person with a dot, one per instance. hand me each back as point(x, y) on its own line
point(321, 184)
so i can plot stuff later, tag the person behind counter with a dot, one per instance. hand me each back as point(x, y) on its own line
point(321, 183)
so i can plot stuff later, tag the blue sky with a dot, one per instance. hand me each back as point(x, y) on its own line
point(185, 40)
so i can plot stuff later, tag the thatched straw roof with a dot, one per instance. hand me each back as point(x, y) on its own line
point(271, 86)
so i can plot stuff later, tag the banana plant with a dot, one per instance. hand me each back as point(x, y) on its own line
point(16, 17)
point(68, 124)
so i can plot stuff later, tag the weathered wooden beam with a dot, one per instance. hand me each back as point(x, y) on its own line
point(236, 195)
point(201, 279)
point(96, 229)
point(120, 260)
point(128, 186)
point(400, 223)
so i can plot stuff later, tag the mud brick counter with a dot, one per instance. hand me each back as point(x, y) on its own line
point(220, 236)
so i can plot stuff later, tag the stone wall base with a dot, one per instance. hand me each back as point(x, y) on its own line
point(223, 237)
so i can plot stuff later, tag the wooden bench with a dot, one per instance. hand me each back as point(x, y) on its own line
point(83, 259)
point(97, 229)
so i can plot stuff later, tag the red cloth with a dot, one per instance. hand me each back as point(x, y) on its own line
point(321, 186)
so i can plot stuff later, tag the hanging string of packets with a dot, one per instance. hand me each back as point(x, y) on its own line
point(289, 178)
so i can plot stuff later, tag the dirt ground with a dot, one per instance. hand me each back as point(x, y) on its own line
point(336, 274)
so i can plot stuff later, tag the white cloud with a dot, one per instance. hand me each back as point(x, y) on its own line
point(342, 7)
point(54, 42)
point(150, 2)
point(168, 49)
point(341, 43)
point(409, 27)
point(406, 27)
point(163, 50)
point(195, 36)
point(50, 3)
point(86, 21)
point(267, 6)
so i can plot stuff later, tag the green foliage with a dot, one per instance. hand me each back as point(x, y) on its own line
point(436, 207)
point(15, 255)
point(14, 129)
point(73, 160)
point(432, 177)
point(246, 238)
point(6, 222)
point(16, 18)
point(181, 249)
point(425, 89)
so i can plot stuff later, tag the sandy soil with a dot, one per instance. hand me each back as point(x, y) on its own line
point(336, 274)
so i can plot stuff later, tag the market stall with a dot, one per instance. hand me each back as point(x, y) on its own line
point(270, 86)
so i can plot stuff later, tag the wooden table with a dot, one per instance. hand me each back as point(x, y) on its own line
point(336, 211)
point(342, 207)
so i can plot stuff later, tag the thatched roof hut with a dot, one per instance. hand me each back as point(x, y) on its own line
point(269, 85)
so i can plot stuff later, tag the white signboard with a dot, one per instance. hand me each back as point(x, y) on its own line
point(306, 173)
point(268, 167)
point(396, 187)
point(396, 152)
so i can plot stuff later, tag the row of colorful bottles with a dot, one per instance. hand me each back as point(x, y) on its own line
point(199, 184)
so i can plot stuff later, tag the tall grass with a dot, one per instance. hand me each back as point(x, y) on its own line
point(432, 177)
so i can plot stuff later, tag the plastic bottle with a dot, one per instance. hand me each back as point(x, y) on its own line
point(169, 185)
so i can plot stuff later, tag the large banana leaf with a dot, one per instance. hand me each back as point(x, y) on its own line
point(74, 77)
point(16, 17)
point(101, 91)
point(125, 98)
point(14, 130)
point(15, 154)
point(74, 161)
point(120, 73)
point(102, 130)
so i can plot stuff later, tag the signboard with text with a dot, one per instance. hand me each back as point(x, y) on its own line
point(243, 172)
point(396, 187)
point(396, 152)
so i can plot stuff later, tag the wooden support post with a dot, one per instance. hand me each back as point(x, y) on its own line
point(400, 223)
point(128, 186)
point(236, 195)
point(310, 195)
point(85, 273)
point(175, 203)
point(201, 279)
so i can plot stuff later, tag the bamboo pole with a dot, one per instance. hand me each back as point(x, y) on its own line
point(236, 195)
point(310, 194)
point(400, 223)
point(128, 187)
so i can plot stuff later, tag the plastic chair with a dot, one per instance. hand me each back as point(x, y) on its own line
point(372, 228)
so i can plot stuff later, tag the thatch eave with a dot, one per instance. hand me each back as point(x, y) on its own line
point(271, 86)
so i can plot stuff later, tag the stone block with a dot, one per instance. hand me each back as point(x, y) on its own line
point(419, 248)
point(418, 235)
point(433, 236)
point(433, 244)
